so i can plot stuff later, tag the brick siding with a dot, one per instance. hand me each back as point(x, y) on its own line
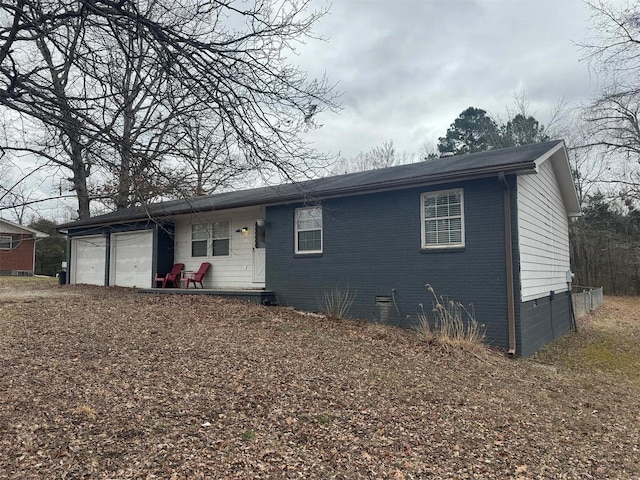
point(372, 244)
point(19, 258)
point(543, 321)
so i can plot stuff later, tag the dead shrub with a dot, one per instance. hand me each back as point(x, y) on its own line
point(452, 325)
point(336, 302)
point(85, 412)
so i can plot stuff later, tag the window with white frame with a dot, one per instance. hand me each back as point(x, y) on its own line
point(308, 229)
point(6, 242)
point(199, 240)
point(443, 219)
point(220, 238)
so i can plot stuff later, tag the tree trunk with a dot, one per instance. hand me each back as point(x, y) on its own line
point(80, 175)
point(123, 194)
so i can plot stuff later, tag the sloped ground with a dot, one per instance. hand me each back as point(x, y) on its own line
point(105, 383)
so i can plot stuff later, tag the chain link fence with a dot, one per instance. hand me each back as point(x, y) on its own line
point(586, 299)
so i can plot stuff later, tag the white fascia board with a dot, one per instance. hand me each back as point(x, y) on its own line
point(36, 233)
point(543, 158)
point(560, 163)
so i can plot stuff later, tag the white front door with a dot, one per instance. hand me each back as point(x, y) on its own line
point(259, 250)
point(131, 259)
point(88, 257)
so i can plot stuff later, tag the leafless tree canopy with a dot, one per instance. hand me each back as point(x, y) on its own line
point(613, 115)
point(381, 156)
point(130, 92)
point(614, 48)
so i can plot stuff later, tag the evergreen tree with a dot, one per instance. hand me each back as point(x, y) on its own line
point(473, 131)
point(50, 251)
point(522, 130)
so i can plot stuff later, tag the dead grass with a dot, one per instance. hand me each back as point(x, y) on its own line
point(85, 412)
point(337, 301)
point(607, 341)
point(450, 325)
point(105, 383)
point(23, 282)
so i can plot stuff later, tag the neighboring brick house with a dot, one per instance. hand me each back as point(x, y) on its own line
point(17, 248)
point(489, 229)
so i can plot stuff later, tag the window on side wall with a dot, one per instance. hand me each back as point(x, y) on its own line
point(443, 219)
point(220, 238)
point(9, 242)
point(199, 240)
point(6, 242)
point(308, 230)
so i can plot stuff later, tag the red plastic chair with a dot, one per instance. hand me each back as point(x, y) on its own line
point(172, 277)
point(199, 275)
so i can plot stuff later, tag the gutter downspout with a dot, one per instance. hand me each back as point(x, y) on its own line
point(508, 252)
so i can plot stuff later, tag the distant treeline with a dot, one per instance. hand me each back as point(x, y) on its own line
point(605, 247)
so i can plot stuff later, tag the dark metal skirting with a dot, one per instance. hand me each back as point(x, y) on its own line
point(262, 297)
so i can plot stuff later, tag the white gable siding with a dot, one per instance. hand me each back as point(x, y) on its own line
point(232, 271)
point(543, 231)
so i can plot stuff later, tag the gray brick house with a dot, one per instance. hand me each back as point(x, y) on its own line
point(488, 229)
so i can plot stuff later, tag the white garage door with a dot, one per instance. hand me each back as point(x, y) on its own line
point(131, 259)
point(88, 256)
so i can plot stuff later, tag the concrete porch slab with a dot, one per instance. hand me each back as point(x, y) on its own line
point(262, 297)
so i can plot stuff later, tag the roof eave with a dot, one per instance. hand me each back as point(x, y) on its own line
point(514, 169)
point(560, 163)
point(470, 174)
point(36, 233)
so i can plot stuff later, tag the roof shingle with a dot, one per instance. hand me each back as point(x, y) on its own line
point(440, 170)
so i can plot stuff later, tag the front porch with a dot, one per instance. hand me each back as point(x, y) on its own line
point(259, 296)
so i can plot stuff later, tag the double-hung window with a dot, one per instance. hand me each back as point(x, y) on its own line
point(210, 239)
point(308, 230)
point(220, 238)
point(199, 240)
point(443, 219)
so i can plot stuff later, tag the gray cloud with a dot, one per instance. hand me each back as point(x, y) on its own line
point(408, 68)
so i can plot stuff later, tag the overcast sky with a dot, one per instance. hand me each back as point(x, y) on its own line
point(407, 68)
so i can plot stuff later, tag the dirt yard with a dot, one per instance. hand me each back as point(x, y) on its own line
point(106, 383)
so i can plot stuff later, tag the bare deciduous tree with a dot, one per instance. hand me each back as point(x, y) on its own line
point(427, 151)
point(613, 115)
point(381, 156)
point(38, 83)
point(521, 126)
point(15, 197)
point(106, 81)
point(206, 161)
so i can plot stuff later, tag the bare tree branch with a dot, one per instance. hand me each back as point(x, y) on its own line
point(108, 82)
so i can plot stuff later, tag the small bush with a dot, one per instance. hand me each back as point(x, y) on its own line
point(337, 302)
point(452, 326)
point(85, 411)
